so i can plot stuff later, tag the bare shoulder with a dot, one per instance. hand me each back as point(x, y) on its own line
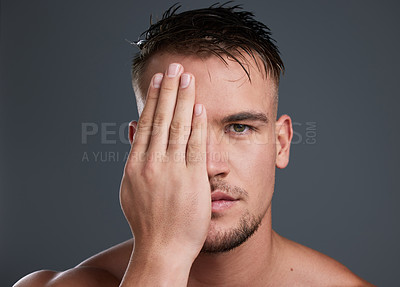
point(78, 276)
point(103, 269)
point(312, 268)
point(114, 260)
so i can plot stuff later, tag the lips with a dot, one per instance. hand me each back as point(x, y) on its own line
point(221, 202)
point(218, 195)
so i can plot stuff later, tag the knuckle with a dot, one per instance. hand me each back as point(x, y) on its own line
point(151, 96)
point(134, 162)
point(159, 120)
point(197, 125)
point(195, 147)
point(130, 168)
point(169, 88)
point(156, 131)
point(149, 172)
point(144, 121)
point(176, 126)
point(144, 125)
point(176, 130)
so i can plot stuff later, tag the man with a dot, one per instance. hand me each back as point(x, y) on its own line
point(198, 183)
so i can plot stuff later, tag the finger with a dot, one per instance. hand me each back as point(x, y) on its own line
point(132, 131)
point(165, 109)
point(179, 131)
point(145, 125)
point(196, 148)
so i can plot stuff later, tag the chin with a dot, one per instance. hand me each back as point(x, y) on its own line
point(223, 239)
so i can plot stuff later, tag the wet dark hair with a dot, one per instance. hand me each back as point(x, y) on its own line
point(218, 30)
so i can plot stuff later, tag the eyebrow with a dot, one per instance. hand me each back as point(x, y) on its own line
point(246, 116)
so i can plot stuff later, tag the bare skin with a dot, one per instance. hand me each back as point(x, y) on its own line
point(176, 154)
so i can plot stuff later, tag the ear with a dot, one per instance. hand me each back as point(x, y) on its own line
point(283, 134)
point(132, 130)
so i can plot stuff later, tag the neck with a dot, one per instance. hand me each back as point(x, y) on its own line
point(251, 264)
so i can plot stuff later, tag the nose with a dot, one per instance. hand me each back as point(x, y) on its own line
point(217, 158)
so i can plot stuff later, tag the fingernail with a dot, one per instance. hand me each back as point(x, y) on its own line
point(185, 80)
point(198, 108)
point(157, 80)
point(173, 70)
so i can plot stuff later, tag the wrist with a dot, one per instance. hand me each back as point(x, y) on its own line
point(156, 269)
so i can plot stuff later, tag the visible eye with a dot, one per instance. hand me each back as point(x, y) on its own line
point(238, 128)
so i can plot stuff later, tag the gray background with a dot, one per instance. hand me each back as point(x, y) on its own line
point(64, 63)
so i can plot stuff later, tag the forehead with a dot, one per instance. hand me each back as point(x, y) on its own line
point(224, 88)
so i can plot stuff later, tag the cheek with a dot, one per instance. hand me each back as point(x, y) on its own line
point(254, 165)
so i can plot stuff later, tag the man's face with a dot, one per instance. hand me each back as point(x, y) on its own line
point(241, 150)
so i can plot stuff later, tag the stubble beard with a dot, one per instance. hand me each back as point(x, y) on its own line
point(223, 241)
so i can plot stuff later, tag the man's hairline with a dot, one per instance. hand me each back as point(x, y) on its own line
point(266, 73)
